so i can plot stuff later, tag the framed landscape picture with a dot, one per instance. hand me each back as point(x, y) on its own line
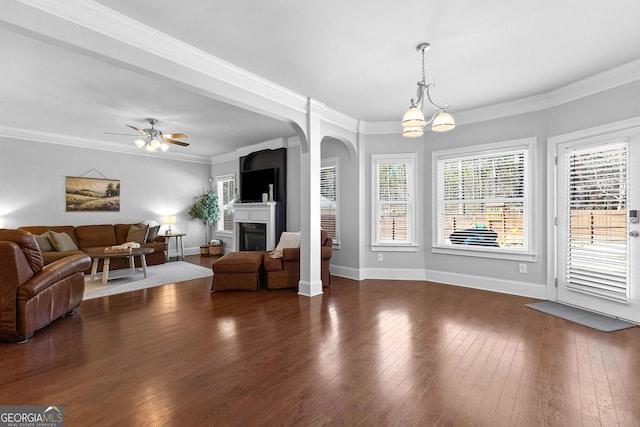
point(92, 194)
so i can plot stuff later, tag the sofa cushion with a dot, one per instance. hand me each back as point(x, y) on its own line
point(153, 233)
point(137, 233)
point(41, 229)
point(96, 235)
point(44, 242)
point(62, 242)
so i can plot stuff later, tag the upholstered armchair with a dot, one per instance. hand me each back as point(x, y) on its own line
point(33, 295)
point(284, 272)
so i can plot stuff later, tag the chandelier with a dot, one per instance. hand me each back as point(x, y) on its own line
point(413, 121)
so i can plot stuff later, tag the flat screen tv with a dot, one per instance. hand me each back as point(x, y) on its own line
point(255, 182)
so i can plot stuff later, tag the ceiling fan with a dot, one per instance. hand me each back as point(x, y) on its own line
point(153, 139)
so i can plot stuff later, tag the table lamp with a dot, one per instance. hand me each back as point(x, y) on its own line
point(171, 219)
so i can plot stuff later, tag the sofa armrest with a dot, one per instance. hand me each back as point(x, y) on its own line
point(325, 252)
point(271, 264)
point(53, 273)
point(291, 254)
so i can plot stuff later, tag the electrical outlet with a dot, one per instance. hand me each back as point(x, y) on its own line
point(380, 257)
point(522, 268)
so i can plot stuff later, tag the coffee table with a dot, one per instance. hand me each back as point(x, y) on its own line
point(98, 254)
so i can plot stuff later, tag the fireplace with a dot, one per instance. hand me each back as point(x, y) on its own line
point(253, 236)
point(255, 226)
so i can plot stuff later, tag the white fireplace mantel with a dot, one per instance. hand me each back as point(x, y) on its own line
point(256, 213)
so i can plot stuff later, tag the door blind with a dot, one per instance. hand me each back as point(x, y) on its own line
point(597, 215)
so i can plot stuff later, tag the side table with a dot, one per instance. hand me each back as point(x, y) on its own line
point(179, 245)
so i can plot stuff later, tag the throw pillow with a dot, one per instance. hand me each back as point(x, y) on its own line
point(137, 233)
point(62, 242)
point(44, 243)
point(153, 233)
point(288, 239)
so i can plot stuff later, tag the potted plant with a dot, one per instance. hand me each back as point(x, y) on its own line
point(206, 210)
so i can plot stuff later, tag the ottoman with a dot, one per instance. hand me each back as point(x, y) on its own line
point(237, 271)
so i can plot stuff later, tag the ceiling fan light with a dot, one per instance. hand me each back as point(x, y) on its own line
point(155, 144)
point(150, 149)
point(413, 117)
point(139, 143)
point(164, 147)
point(443, 122)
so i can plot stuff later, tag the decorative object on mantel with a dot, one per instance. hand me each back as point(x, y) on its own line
point(413, 121)
point(206, 209)
point(92, 194)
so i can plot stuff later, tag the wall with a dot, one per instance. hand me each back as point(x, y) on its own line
point(33, 187)
point(499, 275)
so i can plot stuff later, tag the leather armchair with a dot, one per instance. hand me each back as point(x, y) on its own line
point(33, 295)
point(285, 272)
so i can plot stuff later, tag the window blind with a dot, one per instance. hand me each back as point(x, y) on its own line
point(394, 202)
point(226, 195)
point(482, 200)
point(597, 215)
point(328, 200)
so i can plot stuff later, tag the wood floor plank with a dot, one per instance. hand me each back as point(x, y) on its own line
point(364, 353)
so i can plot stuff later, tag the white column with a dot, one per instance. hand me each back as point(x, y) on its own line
point(310, 160)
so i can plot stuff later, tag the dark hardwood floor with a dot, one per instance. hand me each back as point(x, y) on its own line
point(379, 353)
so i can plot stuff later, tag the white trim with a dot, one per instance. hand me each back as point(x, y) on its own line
point(597, 83)
point(532, 198)
point(335, 162)
point(511, 287)
point(552, 183)
point(95, 144)
point(411, 160)
point(220, 179)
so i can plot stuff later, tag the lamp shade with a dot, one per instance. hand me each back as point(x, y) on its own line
point(170, 219)
point(413, 117)
point(443, 122)
point(412, 131)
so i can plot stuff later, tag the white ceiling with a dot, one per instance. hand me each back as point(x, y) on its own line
point(358, 57)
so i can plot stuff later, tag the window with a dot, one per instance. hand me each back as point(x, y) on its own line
point(226, 194)
point(483, 197)
point(329, 198)
point(393, 201)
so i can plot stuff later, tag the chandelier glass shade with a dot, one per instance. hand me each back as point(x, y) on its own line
point(413, 121)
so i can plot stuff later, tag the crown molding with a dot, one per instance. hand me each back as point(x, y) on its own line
point(615, 77)
point(121, 28)
point(94, 144)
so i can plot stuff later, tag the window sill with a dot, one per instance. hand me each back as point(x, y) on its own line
point(484, 253)
point(394, 248)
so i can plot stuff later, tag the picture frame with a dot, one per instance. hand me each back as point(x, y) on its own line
point(92, 194)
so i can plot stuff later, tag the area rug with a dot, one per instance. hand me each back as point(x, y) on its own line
point(581, 317)
point(157, 275)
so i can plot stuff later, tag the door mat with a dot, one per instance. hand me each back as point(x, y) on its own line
point(581, 317)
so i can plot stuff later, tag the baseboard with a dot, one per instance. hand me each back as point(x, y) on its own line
point(526, 289)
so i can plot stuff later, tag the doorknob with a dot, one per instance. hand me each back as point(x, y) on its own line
point(634, 234)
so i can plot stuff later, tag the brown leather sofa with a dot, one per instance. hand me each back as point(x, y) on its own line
point(100, 237)
point(33, 295)
point(285, 272)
